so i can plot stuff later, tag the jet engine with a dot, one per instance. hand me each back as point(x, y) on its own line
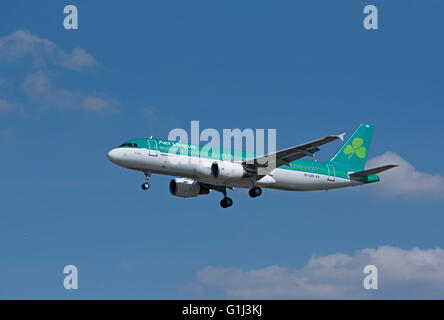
point(186, 188)
point(226, 170)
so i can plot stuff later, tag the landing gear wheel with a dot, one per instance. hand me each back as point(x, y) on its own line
point(255, 192)
point(145, 186)
point(226, 202)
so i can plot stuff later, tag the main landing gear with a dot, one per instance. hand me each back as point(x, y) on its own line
point(226, 201)
point(146, 185)
point(255, 192)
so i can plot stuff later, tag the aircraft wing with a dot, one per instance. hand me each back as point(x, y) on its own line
point(283, 157)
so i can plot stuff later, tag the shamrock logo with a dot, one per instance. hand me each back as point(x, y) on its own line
point(356, 148)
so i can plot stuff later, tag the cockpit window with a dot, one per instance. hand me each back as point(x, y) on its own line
point(128, 144)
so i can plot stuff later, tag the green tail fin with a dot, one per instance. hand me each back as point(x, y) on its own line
point(353, 154)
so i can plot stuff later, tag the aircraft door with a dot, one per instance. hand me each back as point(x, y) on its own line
point(153, 148)
point(331, 172)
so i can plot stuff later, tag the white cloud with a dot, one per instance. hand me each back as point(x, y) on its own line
point(147, 112)
point(22, 43)
point(39, 88)
point(5, 105)
point(38, 85)
point(3, 82)
point(78, 59)
point(405, 180)
point(126, 267)
point(7, 135)
point(96, 103)
point(414, 273)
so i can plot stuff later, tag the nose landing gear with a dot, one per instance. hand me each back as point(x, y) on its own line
point(146, 185)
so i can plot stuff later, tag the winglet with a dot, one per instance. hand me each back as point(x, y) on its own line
point(341, 136)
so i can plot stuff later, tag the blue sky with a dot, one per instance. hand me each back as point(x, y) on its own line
point(308, 69)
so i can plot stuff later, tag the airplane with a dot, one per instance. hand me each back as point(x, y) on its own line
point(206, 169)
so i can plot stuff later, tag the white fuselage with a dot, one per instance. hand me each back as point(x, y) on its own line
point(198, 169)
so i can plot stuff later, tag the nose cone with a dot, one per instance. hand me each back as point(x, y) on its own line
point(114, 156)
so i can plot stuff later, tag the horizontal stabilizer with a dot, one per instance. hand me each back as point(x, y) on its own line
point(369, 172)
